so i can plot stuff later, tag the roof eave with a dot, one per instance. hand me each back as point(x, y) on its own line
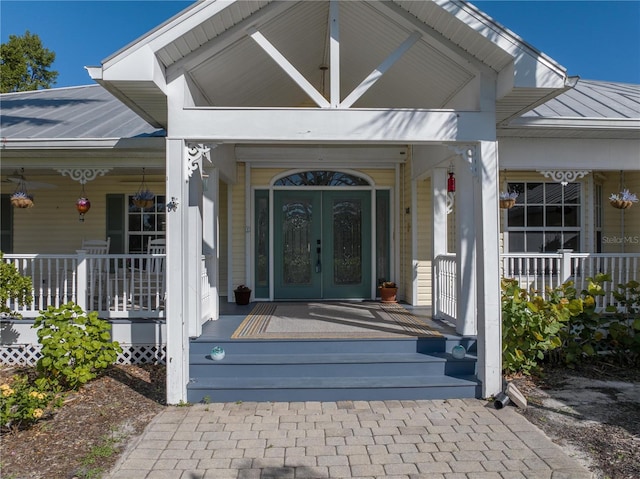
point(142, 143)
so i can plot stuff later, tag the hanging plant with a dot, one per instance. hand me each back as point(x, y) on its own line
point(508, 199)
point(21, 199)
point(143, 198)
point(623, 200)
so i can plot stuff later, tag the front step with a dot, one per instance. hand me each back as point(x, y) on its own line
point(332, 370)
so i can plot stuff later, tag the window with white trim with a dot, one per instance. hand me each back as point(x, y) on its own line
point(145, 223)
point(545, 218)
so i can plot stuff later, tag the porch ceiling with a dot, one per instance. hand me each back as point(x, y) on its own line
point(210, 41)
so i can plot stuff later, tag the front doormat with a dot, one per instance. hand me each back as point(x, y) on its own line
point(331, 320)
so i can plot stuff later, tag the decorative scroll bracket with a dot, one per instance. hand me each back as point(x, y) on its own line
point(83, 175)
point(564, 177)
point(195, 153)
point(468, 153)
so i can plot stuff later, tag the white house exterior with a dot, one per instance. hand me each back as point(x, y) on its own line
point(248, 111)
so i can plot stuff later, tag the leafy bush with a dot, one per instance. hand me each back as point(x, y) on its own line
point(585, 331)
point(624, 330)
point(568, 323)
point(531, 325)
point(13, 286)
point(75, 345)
point(23, 402)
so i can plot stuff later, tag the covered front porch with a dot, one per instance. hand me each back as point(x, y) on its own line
point(242, 92)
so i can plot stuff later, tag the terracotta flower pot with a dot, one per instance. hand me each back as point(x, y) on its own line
point(388, 295)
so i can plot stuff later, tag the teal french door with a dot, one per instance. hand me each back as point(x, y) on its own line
point(322, 244)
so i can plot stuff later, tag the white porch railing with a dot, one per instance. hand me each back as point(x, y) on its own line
point(540, 271)
point(116, 286)
point(444, 281)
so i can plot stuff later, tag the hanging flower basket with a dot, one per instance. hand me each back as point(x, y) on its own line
point(142, 203)
point(21, 197)
point(623, 200)
point(506, 204)
point(21, 200)
point(144, 197)
point(508, 199)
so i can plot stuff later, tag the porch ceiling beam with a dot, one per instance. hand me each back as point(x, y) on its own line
point(376, 74)
point(224, 40)
point(288, 68)
point(299, 125)
point(334, 52)
point(432, 37)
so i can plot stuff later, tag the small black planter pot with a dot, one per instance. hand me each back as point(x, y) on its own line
point(243, 297)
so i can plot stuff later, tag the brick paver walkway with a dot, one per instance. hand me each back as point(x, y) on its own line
point(453, 439)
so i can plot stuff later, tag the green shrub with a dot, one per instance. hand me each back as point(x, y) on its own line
point(568, 323)
point(13, 286)
point(531, 325)
point(75, 345)
point(624, 329)
point(23, 402)
point(583, 334)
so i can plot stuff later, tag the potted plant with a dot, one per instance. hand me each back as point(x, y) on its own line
point(508, 199)
point(388, 292)
point(21, 199)
point(623, 200)
point(143, 198)
point(243, 294)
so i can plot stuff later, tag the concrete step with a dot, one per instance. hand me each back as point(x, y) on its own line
point(368, 388)
point(335, 365)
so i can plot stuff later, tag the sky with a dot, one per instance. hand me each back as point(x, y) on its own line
point(595, 40)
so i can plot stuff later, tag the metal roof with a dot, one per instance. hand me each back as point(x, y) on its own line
point(593, 99)
point(591, 109)
point(84, 112)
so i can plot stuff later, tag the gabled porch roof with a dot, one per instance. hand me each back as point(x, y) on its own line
point(452, 45)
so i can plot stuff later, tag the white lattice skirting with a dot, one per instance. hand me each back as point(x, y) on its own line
point(28, 354)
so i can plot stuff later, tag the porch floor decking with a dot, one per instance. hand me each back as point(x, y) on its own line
point(232, 315)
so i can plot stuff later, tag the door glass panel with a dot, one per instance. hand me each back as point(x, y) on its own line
point(262, 243)
point(382, 236)
point(347, 242)
point(296, 241)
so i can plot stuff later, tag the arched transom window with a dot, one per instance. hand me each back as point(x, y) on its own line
point(321, 178)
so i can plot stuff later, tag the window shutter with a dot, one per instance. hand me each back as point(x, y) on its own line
point(6, 223)
point(115, 223)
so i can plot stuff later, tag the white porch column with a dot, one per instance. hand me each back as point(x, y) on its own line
point(177, 234)
point(439, 231)
point(439, 203)
point(485, 197)
point(193, 241)
point(465, 245)
point(210, 237)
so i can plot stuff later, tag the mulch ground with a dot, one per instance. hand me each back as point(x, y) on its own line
point(83, 439)
point(608, 443)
